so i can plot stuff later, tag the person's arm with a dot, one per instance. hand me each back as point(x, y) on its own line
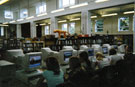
point(40, 81)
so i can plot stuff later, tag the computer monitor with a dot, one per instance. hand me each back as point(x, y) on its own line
point(65, 55)
point(83, 47)
point(105, 50)
point(32, 61)
point(91, 52)
point(121, 48)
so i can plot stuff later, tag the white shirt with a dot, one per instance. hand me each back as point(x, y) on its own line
point(115, 58)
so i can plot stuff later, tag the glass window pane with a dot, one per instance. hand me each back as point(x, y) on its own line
point(65, 3)
point(8, 14)
point(24, 13)
point(72, 28)
point(72, 2)
point(1, 31)
point(41, 9)
point(46, 30)
point(64, 27)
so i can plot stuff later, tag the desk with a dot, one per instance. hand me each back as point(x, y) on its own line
point(28, 77)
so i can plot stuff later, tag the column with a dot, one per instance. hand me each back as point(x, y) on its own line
point(33, 32)
point(86, 24)
point(134, 33)
point(18, 31)
point(54, 25)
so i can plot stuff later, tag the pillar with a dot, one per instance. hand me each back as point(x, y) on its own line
point(18, 31)
point(86, 24)
point(33, 31)
point(53, 26)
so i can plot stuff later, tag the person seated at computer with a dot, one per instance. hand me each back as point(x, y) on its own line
point(76, 75)
point(53, 75)
point(101, 61)
point(85, 63)
point(129, 53)
point(114, 57)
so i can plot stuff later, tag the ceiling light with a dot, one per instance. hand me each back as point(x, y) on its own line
point(98, 1)
point(3, 1)
point(62, 21)
point(54, 11)
point(129, 12)
point(30, 17)
point(79, 5)
point(93, 17)
point(20, 20)
point(76, 19)
point(43, 24)
point(5, 23)
point(113, 14)
point(12, 21)
point(41, 14)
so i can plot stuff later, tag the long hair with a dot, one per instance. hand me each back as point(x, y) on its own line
point(53, 65)
point(84, 57)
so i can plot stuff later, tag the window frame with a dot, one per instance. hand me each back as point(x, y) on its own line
point(70, 27)
point(61, 5)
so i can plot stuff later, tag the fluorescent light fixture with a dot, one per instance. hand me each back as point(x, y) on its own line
point(113, 14)
point(98, 1)
point(49, 23)
point(41, 14)
point(93, 16)
point(12, 21)
point(36, 25)
point(129, 12)
point(62, 21)
point(43, 24)
point(3, 1)
point(30, 17)
point(5, 23)
point(79, 5)
point(76, 19)
point(54, 11)
point(20, 20)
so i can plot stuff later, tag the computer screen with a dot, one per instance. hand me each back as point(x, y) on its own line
point(91, 52)
point(105, 50)
point(67, 55)
point(35, 61)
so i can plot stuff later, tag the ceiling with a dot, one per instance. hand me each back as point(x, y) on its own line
point(117, 9)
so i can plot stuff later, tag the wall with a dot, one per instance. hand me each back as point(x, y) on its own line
point(111, 24)
point(77, 26)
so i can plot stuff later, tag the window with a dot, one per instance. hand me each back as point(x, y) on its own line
point(64, 27)
point(99, 25)
point(123, 24)
point(41, 9)
point(8, 14)
point(23, 13)
point(72, 28)
point(47, 30)
point(65, 3)
point(1, 31)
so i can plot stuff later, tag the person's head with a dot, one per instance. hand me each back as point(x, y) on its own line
point(83, 56)
point(99, 56)
point(74, 63)
point(53, 65)
point(128, 49)
point(112, 51)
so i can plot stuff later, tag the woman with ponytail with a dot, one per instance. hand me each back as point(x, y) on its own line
point(53, 74)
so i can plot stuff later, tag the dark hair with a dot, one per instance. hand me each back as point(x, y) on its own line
point(53, 65)
point(112, 51)
point(84, 57)
point(74, 63)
